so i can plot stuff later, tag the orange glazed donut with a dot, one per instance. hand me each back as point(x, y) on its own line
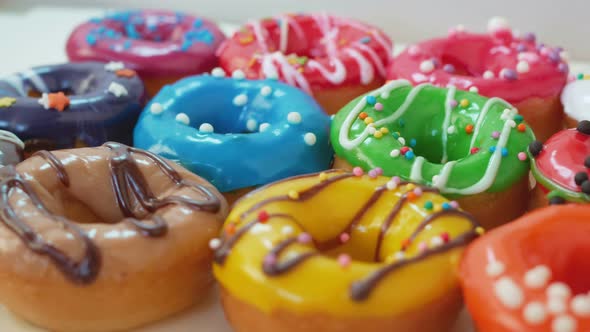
point(103, 239)
point(530, 275)
point(335, 252)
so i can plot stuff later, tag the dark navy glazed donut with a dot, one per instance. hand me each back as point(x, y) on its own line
point(63, 106)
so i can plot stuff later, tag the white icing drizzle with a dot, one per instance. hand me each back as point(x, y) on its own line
point(441, 179)
point(12, 138)
point(366, 58)
point(367, 71)
point(447, 123)
point(347, 124)
point(284, 28)
point(416, 173)
point(482, 115)
point(576, 100)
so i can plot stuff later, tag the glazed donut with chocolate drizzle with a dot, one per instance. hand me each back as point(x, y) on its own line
point(333, 58)
point(561, 167)
point(339, 252)
point(103, 239)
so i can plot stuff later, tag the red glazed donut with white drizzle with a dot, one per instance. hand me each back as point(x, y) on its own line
point(333, 58)
point(518, 69)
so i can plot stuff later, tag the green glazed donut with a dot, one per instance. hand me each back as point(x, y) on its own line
point(457, 141)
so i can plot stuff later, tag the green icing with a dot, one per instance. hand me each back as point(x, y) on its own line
point(426, 120)
point(555, 190)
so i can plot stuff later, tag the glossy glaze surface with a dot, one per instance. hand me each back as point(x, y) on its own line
point(457, 141)
point(576, 98)
point(11, 148)
point(334, 243)
point(141, 196)
point(530, 275)
point(155, 43)
point(562, 157)
point(309, 51)
point(498, 64)
point(258, 131)
point(96, 104)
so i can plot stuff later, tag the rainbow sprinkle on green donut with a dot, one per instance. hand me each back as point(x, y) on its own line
point(457, 141)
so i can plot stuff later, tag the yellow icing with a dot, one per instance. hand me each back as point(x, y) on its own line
point(321, 284)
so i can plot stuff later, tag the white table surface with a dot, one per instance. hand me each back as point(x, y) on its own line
point(37, 36)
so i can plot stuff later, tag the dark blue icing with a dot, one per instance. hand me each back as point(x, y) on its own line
point(93, 117)
point(237, 154)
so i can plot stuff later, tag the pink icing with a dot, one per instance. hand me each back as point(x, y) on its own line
point(152, 42)
point(472, 55)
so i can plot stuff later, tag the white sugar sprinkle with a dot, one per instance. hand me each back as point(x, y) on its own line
point(287, 230)
point(156, 108)
point(310, 139)
point(251, 124)
point(581, 305)
point(558, 289)
point(394, 153)
point(495, 268)
point(537, 277)
point(238, 75)
point(426, 66)
point(214, 243)
point(564, 323)
point(508, 292)
point(522, 67)
point(263, 127)
point(294, 117)
point(473, 89)
point(556, 305)
point(114, 66)
point(534, 313)
point(451, 130)
point(240, 100)
point(206, 128)
point(218, 72)
point(488, 75)
point(266, 90)
point(183, 118)
point(402, 141)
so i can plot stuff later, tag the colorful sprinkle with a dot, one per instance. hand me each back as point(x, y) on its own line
point(363, 115)
point(371, 100)
point(422, 246)
point(230, 229)
point(469, 129)
point(504, 152)
point(409, 155)
point(522, 156)
point(357, 171)
point(384, 130)
point(323, 176)
point(449, 68)
point(127, 73)
point(378, 134)
point(304, 238)
point(344, 237)
point(492, 149)
point(453, 103)
point(446, 206)
point(445, 236)
point(521, 127)
point(428, 205)
point(454, 204)
point(7, 101)
point(474, 150)
point(293, 194)
point(518, 118)
point(464, 103)
point(378, 107)
point(479, 230)
point(369, 120)
point(206, 128)
point(495, 134)
point(344, 260)
point(418, 191)
point(394, 153)
point(214, 244)
point(509, 74)
point(413, 142)
point(263, 216)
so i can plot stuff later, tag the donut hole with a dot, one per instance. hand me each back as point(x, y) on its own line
point(566, 255)
point(69, 81)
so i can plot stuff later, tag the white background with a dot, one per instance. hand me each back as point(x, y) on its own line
point(561, 23)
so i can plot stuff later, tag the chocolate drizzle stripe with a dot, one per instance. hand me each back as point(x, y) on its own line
point(133, 196)
point(360, 290)
point(80, 272)
point(59, 167)
point(391, 217)
point(272, 266)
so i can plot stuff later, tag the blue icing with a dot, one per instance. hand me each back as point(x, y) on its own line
point(236, 156)
point(198, 23)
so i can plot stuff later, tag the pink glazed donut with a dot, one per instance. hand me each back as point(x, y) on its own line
point(162, 46)
point(500, 63)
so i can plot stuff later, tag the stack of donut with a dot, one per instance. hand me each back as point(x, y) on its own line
point(363, 185)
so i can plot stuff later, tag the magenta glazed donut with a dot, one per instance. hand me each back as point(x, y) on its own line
point(162, 46)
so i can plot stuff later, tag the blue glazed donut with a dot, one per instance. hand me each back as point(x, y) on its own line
point(236, 133)
point(62, 106)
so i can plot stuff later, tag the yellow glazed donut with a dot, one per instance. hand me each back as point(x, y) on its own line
point(341, 252)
